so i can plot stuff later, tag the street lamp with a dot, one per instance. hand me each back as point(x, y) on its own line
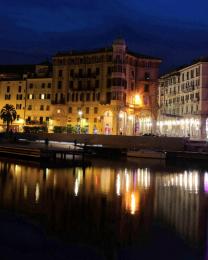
point(80, 113)
point(137, 100)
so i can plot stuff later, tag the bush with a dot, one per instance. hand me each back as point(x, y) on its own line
point(59, 129)
point(35, 129)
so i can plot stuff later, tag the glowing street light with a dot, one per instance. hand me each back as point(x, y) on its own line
point(137, 100)
point(80, 113)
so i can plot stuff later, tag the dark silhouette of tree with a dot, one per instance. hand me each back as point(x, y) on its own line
point(8, 114)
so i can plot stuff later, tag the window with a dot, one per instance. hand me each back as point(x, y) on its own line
point(97, 71)
point(80, 72)
point(30, 96)
point(95, 110)
point(19, 88)
point(59, 84)
point(147, 76)
point(7, 97)
point(8, 89)
point(109, 70)
point(95, 120)
point(48, 96)
point(18, 117)
point(80, 84)
point(41, 120)
point(81, 97)
point(41, 107)
point(72, 73)
point(47, 108)
point(31, 85)
point(146, 88)
point(49, 85)
point(98, 96)
point(43, 85)
point(60, 73)
point(18, 106)
point(88, 84)
point(97, 83)
point(47, 119)
point(88, 97)
point(71, 83)
point(108, 83)
point(108, 97)
point(42, 96)
point(29, 107)
point(77, 96)
point(70, 110)
point(19, 97)
point(93, 96)
point(89, 72)
point(87, 110)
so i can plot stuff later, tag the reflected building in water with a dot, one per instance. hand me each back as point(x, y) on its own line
point(180, 202)
point(107, 206)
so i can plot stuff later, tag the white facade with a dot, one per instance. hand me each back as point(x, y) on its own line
point(183, 102)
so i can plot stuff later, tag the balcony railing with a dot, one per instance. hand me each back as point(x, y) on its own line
point(58, 102)
point(84, 75)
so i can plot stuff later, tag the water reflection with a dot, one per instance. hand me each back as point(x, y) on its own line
point(108, 206)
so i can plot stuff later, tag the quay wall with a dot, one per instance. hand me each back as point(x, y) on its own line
point(115, 141)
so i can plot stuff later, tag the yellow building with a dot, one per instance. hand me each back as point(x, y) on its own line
point(13, 92)
point(108, 91)
point(30, 94)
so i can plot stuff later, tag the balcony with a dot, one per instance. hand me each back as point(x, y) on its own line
point(92, 75)
point(58, 102)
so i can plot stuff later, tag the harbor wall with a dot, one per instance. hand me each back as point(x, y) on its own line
point(129, 142)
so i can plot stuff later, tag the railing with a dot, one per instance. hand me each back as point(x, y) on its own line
point(58, 102)
point(84, 75)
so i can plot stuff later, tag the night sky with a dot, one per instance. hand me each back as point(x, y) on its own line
point(33, 30)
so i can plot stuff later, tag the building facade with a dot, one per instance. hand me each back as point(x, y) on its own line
point(183, 102)
point(30, 94)
point(109, 91)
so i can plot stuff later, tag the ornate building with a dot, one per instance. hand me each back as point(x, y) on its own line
point(183, 101)
point(108, 91)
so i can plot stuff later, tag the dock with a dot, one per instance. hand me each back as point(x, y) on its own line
point(47, 155)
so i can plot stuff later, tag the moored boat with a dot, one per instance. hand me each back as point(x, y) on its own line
point(147, 154)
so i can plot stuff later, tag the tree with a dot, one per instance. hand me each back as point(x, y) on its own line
point(8, 114)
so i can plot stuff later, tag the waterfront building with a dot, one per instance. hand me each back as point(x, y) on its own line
point(30, 94)
point(107, 91)
point(183, 101)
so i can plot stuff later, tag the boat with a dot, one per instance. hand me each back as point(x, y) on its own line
point(147, 154)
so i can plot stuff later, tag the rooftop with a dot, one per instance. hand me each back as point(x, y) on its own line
point(177, 69)
point(103, 50)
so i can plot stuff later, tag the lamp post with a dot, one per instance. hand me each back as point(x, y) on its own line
point(80, 113)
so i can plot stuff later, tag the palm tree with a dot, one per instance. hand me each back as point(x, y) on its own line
point(8, 114)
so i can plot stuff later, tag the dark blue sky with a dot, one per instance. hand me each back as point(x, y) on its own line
point(32, 30)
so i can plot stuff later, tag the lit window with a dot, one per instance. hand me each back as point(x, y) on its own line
point(58, 111)
point(42, 96)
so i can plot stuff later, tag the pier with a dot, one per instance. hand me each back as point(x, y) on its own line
point(44, 154)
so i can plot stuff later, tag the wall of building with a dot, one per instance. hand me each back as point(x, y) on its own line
point(183, 98)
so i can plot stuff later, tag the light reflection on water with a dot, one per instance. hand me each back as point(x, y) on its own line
point(109, 203)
